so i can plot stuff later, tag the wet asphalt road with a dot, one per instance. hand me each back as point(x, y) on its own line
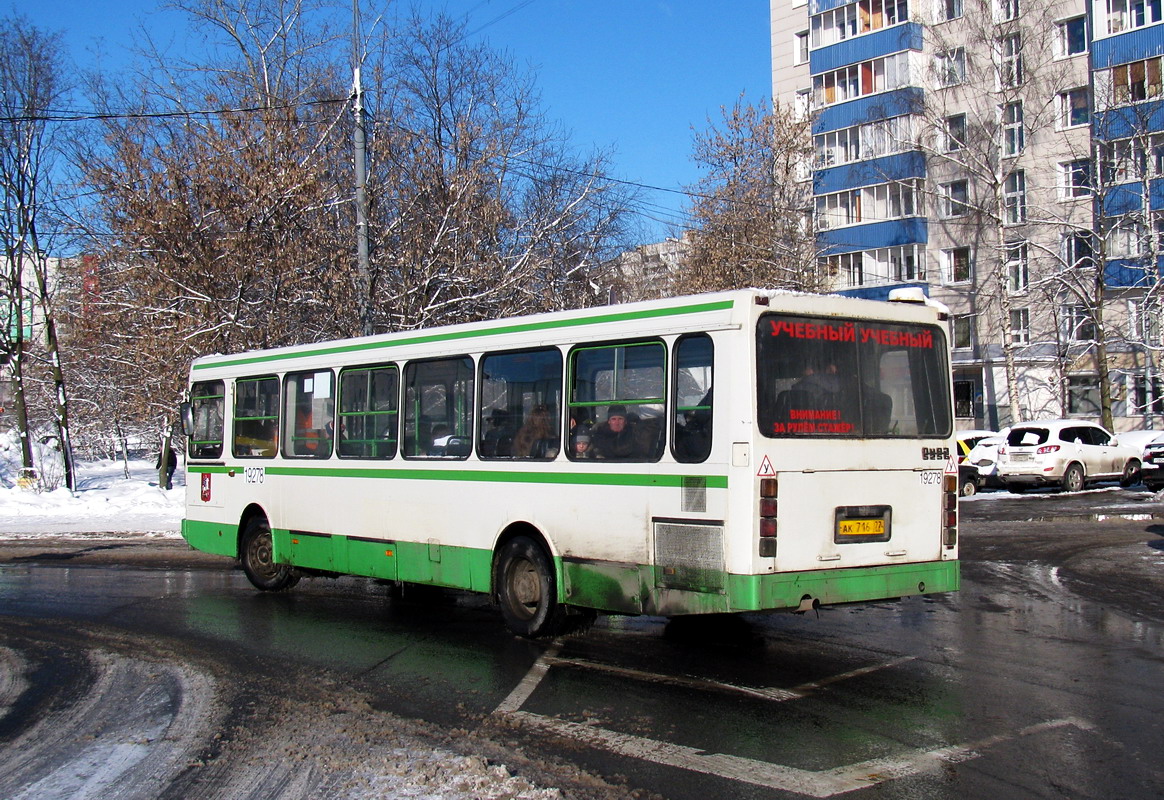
point(1040, 678)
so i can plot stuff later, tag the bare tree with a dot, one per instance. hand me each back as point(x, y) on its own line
point(222, 196)
point(32, 84)
point(479, 207)
point(750, 211)
point(227, 194)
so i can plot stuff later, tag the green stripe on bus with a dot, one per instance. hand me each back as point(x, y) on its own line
point(211, 537)
point(478, 476)
point(524, 327)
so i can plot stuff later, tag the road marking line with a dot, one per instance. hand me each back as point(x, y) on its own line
point(805, 688)
point(779, 695)
point(827, 783)
point(526, 686)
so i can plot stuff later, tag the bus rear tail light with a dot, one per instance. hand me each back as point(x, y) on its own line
point(950, 511)
point(768, 512)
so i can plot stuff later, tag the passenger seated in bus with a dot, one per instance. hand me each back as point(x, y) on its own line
point(581, 444)
point(440, 438)
point(497, 439)
point(623, 436)
point(537, 437)
point(693, 432)
point(819, 379)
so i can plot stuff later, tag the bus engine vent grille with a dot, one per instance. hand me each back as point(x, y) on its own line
point(689, 556)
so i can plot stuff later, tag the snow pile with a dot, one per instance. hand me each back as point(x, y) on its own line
point(105, 502)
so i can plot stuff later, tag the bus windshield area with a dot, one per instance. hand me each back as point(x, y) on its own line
point(832, 377)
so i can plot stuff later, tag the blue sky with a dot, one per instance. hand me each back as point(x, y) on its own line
point(633, 76)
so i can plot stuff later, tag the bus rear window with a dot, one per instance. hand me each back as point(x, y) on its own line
point(851, 379)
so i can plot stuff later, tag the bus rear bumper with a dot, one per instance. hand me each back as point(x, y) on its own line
point(795, 590)
point(634, 589)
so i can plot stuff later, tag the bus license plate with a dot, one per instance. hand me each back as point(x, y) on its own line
point(861, 527)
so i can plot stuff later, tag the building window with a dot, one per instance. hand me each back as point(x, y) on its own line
point(1074, 107)
point(834, 26)
point(1145, 322)
point(1082, 394)
point(895, 264)
point(888, 201)
point(858, 80)
point(955, 198)
point(850, 20)
point(870, 204)
point(951, 67)
point(1076, 178)
point(848, 268)
point(962, 331)
point(1078, 325)
point(837, 209)
point(1017, 271)
point(1013, 133)
point(954, 133)
point(1010, 68)
point(1078, 249)
point(957, 265)
point(800, 48)
point(1125, 238)
point(1147, 394)
point(1124, 160)
point(950, 9)
point(1007, 10)
point(1139, 80)
point(1014, 198)
point(1072, 36)
point(1020, 326)
point(802, 104)
point(963, 399)
point(1123, 15)
point(886, 136)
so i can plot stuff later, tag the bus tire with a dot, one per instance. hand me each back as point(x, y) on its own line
point(527, 589)
point(257, 555)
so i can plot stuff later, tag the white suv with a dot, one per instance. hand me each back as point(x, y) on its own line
point(1064, 452)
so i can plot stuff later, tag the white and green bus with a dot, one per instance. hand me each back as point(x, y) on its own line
point(739, 451)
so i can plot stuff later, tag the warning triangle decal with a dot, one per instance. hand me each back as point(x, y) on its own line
point(766, 470)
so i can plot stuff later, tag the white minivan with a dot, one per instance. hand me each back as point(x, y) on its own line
point(1065, 452)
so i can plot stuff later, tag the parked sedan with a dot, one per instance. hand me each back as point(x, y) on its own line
point(1067, 453)
point(984, 457)
point(969, 479)
point(1151, 474)
point(1154, 466)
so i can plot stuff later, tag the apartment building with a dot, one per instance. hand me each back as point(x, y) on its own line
point(1007, 156)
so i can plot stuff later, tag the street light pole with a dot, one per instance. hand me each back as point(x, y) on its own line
point(364, 270)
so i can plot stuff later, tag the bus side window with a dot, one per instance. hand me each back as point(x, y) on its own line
point(691, 430)
point(308, 414)
point(438, 408)
point(368, 412)
point(521, 401)
point(256, 417)
point(618, 393)
point(208, 406)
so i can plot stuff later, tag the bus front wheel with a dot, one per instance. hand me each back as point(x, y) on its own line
point(527, 589)
point(258, 559)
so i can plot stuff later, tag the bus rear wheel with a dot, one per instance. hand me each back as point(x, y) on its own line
point(258, 558)
point(527, 589)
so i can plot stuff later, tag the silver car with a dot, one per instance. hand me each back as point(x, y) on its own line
point(1067, 453)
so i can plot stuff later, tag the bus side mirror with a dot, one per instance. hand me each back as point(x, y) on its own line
point(186, 411)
